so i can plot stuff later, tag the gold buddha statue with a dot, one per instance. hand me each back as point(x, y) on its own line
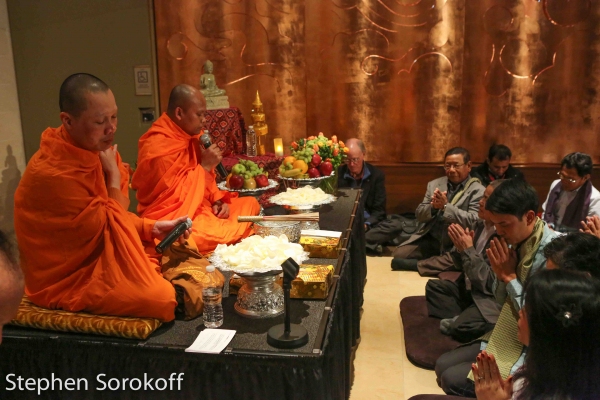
point(215, 97)
point(260, 127)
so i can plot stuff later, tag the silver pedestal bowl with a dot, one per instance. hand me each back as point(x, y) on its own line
point(261, 296)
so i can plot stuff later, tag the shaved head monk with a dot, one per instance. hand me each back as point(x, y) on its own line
point(81, 250)
point(176, 177)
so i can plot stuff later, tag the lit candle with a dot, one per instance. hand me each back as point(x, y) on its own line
point(278, 142)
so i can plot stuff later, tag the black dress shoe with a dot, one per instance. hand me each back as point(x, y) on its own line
point(404, 264)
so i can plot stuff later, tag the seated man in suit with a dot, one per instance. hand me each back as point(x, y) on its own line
point(453, 198)
point(11, 283)
point(359, 174)
point(497, 166)
point(572, 198)
point(512, 208)
point(467, 306)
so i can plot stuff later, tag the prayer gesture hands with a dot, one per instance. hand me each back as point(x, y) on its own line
point(591, 225)
point(220, 209)
point(211, 157)
point(503, 260)
point(489, 384)
point(108, 159)
point(462, 238)
point(439, 199)
point(161, 229)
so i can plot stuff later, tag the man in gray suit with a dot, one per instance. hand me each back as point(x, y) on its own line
point(453, 198)
point(467, 305)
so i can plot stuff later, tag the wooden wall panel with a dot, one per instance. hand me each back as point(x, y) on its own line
point(411, 78)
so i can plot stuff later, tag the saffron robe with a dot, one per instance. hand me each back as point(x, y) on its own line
point(80, 248)
point(170, 183)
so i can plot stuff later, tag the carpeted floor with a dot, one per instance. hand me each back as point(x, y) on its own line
point(382, 370)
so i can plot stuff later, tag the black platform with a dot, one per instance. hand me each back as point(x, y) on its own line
point(248, 369)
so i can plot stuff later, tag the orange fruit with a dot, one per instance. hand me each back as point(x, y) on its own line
point(301, 165)
point(289, 159)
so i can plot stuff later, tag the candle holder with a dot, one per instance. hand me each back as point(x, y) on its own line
point(278, 146)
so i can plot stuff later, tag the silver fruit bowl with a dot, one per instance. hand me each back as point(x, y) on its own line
point(294, 183)
point(249, 192)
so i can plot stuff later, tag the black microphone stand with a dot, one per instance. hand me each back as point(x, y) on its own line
point(288, 335)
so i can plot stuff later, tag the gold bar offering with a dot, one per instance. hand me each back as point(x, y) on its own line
point(312, 282)
point(321, 244)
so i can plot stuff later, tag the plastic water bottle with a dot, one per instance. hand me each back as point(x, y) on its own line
point(251, 142)
point(211, 296)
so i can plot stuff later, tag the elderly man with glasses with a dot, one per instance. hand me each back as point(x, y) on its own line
point(359, 174)
point(453, 198)
point(572, 197)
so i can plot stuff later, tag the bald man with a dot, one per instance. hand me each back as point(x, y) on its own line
point(11, 283)
point(81, 250)
point(359, 174)
point(175, 175)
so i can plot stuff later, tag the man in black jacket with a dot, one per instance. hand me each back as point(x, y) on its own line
point(359, 174)
point(496, 166)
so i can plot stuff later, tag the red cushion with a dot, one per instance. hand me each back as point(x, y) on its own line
point(227, 129)
point(422, 337)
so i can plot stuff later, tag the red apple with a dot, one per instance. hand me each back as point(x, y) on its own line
point(313, 173)
point(316, 160)
point(236, 182)
point(261, 180)
point(326, 168)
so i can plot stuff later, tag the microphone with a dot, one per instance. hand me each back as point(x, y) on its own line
point(205, 140)
point(173, 235)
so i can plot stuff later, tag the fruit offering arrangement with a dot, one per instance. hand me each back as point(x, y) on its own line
point(314, 157)
point(256, 254)
point(246, 175)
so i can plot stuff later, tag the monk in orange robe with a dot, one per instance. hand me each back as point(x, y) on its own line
point(80, 248)
point(175, 177)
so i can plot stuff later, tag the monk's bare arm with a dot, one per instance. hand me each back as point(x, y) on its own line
point(119, 197)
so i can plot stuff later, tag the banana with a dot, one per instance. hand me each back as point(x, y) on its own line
point(291, 173)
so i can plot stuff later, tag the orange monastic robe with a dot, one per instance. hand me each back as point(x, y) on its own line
point(80, 248)
point(170, 183)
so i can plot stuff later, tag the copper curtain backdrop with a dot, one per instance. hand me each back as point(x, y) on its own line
point(412, 78)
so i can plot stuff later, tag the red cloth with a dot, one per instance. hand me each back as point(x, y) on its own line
point(227, 130)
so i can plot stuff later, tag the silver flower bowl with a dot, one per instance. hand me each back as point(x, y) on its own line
point(261, 296)
point(291, 229)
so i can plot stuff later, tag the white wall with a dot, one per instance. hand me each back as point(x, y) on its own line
point(12, 155)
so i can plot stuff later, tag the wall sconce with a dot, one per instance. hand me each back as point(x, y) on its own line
point(278, 144)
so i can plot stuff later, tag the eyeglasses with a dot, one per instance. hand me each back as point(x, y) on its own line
point(448, 167)
point(565, 178)
point(353, 160)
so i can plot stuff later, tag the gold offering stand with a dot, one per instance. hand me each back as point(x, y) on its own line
point(260, 126)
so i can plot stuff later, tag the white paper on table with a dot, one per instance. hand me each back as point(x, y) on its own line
point(211, 341)
point(320, 233)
